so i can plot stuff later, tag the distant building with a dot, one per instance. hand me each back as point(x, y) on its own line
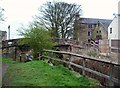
point(3, 35)
point(92, 28)
point(113, 36)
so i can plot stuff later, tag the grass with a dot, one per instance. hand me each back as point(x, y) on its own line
point(8, 61)
point(39, 73)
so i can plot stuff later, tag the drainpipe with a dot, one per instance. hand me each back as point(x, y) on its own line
point(8, 32)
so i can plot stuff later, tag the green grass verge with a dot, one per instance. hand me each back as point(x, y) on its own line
point(8, 61)
point(39, 73)
point(0, 59)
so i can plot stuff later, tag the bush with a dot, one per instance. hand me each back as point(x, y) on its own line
point(37, 38)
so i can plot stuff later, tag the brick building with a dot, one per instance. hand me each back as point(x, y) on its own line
point(3, 37)
point(114, 37)
point(92, 28)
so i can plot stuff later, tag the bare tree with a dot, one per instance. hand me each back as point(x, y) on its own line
point(1, 14)
point(58, 17)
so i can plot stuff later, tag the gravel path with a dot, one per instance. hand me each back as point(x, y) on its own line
point(0, 74)
point(4, 68)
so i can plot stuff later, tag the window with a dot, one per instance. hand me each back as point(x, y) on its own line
point(90, 26)
point(9, 43)
point(97, 31)
point(110, 30)
point(89, 33)
point(98, 37)
point(94, 25)
point(100, 31)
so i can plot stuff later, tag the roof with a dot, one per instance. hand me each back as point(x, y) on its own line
point(105, 22)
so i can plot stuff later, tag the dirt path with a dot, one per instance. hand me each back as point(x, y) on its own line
point(0, 74)
point(4, 68)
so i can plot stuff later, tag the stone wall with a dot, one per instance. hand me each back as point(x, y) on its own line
point(104, 46)
point(0, 44)
point(11, 49)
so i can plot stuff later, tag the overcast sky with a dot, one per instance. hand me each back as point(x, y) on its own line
point(21, 11)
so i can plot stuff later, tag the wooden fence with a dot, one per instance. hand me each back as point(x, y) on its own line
point(110, 77)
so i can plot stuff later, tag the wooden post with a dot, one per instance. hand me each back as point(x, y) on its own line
point(15, 52)
point(111, 83)
point(40, 55)
point(53, 62)
point(20, 58)
point(48, 57)
point(69, 65)
point(83, 71)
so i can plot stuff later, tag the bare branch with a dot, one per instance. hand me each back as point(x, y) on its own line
point(58, 17)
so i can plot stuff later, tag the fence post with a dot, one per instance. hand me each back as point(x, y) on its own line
point(40, 55)
point(69, 65)
point(111, 83)
point(20, 58)
point(15, 53)
point(83, 71)
point(53, 62)
point(48, 57)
